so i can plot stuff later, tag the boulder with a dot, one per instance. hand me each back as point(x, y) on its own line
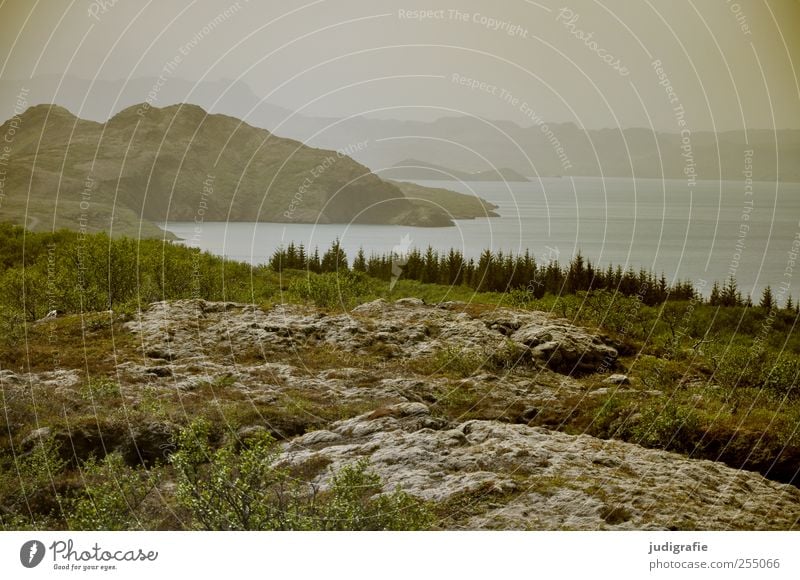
point(9, 377)
point(409, 302)
point(139, 444)
point(566, 349)
point(149, 442)
point(35, 437)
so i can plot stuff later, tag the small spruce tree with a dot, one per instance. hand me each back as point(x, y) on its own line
point(767, 301)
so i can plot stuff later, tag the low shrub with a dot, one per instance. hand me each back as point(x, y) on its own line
point(100, 389)
point(343, 289)
point(666, 425)
point(28, 497)
point(247, 490)
point(112, 496)
point(459, 362)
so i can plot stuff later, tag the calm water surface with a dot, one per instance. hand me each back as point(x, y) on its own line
point(707, 233)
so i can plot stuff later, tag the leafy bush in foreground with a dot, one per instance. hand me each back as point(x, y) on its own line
point(27, 492)
point(112, 496)
point(225, 490)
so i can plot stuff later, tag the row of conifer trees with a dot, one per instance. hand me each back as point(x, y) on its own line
point(491, 272)
point(502, 272)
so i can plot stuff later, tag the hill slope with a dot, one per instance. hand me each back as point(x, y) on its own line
point(416, 169)
point(148, 165)
point(457, 205)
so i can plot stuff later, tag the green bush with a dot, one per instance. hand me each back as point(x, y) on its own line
point(343, 289)
point(223, 490)
point(12, 329)
point(462, 362)
point(746, 367)
point(566, 306)
point(355, 502)
point(738, 365)
point(112, 496)
point(100, 389)
point(28, 498)
point(781, 376)
point(74, 273)
point(247, 490)
point(658, 374)
point(451, 360)
point(668, 425)
point(519, 298)
point(508, 356)
point(611, 419)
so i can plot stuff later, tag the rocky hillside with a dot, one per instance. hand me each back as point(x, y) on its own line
point(368, 384)
point(146, 166)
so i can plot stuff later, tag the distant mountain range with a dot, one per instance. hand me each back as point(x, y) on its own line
point(146, 166)
point(475, 145)
point(470, 144)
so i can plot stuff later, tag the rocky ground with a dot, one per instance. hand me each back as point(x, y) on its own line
point(374, 383)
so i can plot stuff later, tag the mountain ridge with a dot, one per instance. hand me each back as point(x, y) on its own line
point(521, 145)
point(153, 165)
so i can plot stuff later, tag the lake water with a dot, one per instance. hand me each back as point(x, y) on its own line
point(705, 233)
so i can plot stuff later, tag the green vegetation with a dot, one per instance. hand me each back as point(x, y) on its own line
point(227, 490)
point(27, 486)
point(461, 363)
point(520, 276)
point(217, 489)
point(714, 379)
point(74, 273)
point(113, 496)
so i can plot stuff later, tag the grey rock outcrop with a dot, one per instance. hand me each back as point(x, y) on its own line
point(517, 477)
point(475, 438)
point(187, 329)
point(566, 348)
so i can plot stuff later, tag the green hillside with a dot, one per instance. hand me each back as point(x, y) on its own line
point(457, 205)
point(146, 166)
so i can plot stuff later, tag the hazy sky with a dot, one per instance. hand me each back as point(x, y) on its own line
point(727, 64)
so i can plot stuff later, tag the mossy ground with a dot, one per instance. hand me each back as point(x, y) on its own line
point(709, 382)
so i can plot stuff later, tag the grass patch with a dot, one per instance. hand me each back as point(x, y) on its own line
point(456, 362)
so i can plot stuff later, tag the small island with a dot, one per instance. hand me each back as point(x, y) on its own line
point(418, 170)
